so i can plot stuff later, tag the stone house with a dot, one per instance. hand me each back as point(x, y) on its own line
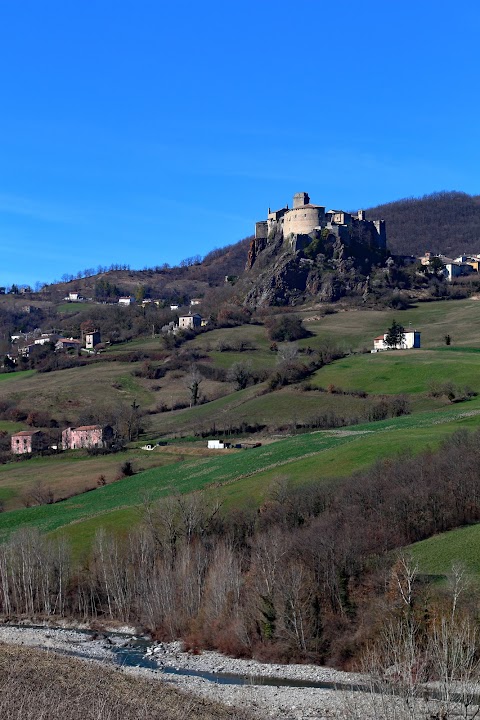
point(28, 441)
point(68, 343)
point(189, 321)
point(92, 338)
point(87, 436)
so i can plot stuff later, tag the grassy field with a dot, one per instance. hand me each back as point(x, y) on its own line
point(66, 392)
point(72, 472)
point(402, 371)
point(243, 478)
point(436, 555)
point(8, 378)
point(11, 427)
point(356, 329)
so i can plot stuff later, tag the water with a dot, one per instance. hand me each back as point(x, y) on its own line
point(132, 654)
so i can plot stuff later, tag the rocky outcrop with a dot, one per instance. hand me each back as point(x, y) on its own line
point(280, 272)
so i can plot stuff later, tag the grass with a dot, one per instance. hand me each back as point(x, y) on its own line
point(244, 477)
point(436, 555)
point(11, 427)
point(69, 391)
point(16, 376)
point(72, 472)
point(356, 328)
point(401, 371)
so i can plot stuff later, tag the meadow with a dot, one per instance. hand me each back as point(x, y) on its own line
point(438, 554)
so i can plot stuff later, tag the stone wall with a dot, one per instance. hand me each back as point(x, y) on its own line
point(303, 220)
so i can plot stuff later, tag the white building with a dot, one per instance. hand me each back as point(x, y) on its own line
point(126, 301)
point(411, 340)
point(457, 269)
point(189, 321)
point(74, 297)
point(217, 445)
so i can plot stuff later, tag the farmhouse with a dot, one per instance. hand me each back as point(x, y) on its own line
point(28, 441)
point(411, 340)
point(87, 436)
point(189, 321)
point(67, 343)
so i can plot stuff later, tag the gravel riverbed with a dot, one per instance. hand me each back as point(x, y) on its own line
point(264, 701)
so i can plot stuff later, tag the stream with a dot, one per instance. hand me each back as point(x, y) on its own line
point(131, 652)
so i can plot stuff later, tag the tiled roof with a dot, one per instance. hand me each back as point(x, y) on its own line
point(88, 427)
point(25, 433)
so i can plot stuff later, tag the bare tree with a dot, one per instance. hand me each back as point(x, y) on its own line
point(193, 381)
point(240, 373)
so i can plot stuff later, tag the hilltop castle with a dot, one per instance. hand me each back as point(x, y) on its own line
point(305, 221)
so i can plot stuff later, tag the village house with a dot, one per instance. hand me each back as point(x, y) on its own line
point(87, 436)
point(25, 350)
point(68, 343)
point(28, 441)
point(74, 297)
point(187, 322)
point(126, 301)
point(411, 340)
point(195, 301)
point(46, 338)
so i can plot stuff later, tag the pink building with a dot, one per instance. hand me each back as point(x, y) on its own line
point(28, 441)
point(87, 436)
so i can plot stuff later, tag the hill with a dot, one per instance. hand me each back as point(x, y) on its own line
point(447, 222)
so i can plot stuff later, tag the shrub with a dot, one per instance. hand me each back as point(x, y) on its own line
point(286, 328)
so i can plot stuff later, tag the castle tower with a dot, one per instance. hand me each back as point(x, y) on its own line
point(300, 199)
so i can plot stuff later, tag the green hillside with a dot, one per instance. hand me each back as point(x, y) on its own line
point(436, 555)
point(243, 478)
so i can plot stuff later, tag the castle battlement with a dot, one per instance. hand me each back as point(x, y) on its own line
point(306, 220)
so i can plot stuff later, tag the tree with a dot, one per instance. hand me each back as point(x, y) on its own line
point(395, 336)
point(286, 328)
point(436, 266)
point(193, 380)
point(240, 373)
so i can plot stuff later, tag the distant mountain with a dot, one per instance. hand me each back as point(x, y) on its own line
point(446, 222)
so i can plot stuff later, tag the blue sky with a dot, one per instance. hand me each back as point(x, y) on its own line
point(147, 132)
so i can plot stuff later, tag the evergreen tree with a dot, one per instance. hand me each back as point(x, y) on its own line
point(395, 336)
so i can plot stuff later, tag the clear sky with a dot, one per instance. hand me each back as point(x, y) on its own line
point(144, 132)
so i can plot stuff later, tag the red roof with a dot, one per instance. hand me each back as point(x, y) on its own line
point(25, 433)
point(88, 427)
